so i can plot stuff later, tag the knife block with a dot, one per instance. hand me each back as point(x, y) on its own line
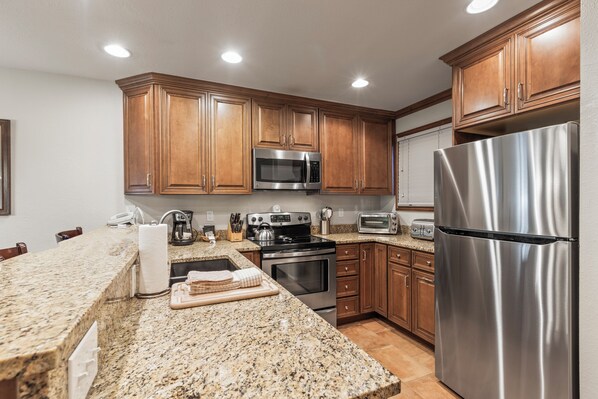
point(233, 237)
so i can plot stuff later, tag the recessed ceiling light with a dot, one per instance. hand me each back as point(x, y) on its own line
point(117, 51)
point(478, 6)
point(232, 57)
point(360, 83)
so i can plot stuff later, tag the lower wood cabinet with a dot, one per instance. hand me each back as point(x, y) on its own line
point(380, 280)
point(423, 305)
point(254, 257)
point(347, 307)
point(399, 295)
point(366, 278)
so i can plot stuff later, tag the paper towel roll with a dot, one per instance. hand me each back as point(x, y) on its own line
point(153, 258)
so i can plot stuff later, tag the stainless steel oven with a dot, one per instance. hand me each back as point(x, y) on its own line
point(309, 274)
point(286, 170)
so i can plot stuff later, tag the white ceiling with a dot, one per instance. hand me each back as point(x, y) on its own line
point(312, 48)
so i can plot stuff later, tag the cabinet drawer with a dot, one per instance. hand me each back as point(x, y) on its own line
point(347, 268)
point(398, 255)
point(346, 307)
point(347, 286)
point(423, 261)
point(347, 251)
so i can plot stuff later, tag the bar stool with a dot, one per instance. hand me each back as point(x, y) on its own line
point(11, 252)
point(65, 235)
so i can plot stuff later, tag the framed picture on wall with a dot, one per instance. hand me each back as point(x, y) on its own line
point(4, 167)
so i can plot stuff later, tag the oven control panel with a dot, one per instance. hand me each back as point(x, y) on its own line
point(279, 218)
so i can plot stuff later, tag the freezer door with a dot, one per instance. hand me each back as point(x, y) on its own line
point(506, 321)
point(521, 183)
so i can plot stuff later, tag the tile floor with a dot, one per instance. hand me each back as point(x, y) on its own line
point(411, 361)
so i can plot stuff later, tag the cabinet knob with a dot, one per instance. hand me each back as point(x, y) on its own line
point(346, 307)
point(399, 256)
point(346, 252)
point(428, 262)
point(346, 268)
point(346, 287)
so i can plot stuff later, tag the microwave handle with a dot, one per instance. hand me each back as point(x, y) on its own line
point(307, 170)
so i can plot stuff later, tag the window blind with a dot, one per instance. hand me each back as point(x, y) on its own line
point(416, 165)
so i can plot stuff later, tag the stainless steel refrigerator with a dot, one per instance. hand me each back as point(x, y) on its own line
point(506, 256)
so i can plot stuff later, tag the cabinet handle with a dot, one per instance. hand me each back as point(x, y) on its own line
point(356, 185)
point(428, 262)
point(346, 268)
point(407, 282)
point(203, 182)
point(213, 182)
point(346, 287)
point(520, 91)
point(506, 96)
point(399, 256)
point(346, 307)
point(346, 252)
point(364, 255)
point(361, 184)
point(291, 140)
point(148, 180)
point(281, 140)
point(284, 140)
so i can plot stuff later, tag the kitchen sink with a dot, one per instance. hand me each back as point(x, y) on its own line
point(179, 271)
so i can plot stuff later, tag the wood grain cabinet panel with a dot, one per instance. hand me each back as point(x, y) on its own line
point(340, 157)
point(230, 145)
point(482, 85)
point(347, 286)
point(548, 61)
point(346, 307)
point(302, 128)
point(366, 278)
point(380, 280)
point(399, 295)
point(347, 268)
point(183, 125)
point(254, 257)
point(269, 125)
point(423, 261)
point(399, 255)
point(347, 252)
point(423, 305)
point(375, 156)
point(139, 139)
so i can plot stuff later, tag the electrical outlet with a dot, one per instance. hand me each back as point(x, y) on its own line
point(341, 212)
point(210, 216)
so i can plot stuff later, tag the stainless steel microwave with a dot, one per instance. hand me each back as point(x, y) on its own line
point(378, 222)
point(286, 170)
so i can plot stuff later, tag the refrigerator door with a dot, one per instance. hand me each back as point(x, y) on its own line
point(505, 318)
point(522, 183)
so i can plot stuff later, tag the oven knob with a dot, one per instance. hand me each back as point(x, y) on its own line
point(260, 219)
point(300, 218)
point(253, 219)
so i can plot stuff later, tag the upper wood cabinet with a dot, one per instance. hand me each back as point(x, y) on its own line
point(286, 127)
point(528, 62)
point(356, 154)
point(548, 61)
point(183, 139)
point(230, 145)
point(139, 140)
point(339, 148)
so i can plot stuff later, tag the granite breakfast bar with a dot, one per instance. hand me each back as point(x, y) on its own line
point(264, 347)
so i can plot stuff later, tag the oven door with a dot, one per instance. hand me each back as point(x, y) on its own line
point(311, 278)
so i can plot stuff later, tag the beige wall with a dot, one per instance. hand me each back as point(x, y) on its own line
point(588, 296)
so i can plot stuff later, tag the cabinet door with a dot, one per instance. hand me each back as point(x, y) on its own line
point(375, 156)
point(366, 278)
point(399, 295)
point(183, 126)
point(302, 128)
point(338, 144)
point(380, 279)
point(253, 256)
point(139, 140)
point(548, 61)
point(230, 145)
point(269, 125)
point(423, 305)
point(482, 85)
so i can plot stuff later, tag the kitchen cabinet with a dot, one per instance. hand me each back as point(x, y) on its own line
point(529, 62)
point(423, 261)
point(347, 286)
point(284, 127)
point(399, 295)
point(366, 278)
point(139, 140)
point(347, 307)
point(423, 305)
point(254, 257)
point(380, 280)
point(230, 145)
point(183, 139)
point(356, 154)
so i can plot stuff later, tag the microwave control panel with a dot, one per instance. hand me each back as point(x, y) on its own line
point(315, 171)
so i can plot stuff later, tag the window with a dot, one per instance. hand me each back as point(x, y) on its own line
point(415, 183)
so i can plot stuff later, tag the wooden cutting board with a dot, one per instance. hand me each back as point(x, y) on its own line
point(181, 299)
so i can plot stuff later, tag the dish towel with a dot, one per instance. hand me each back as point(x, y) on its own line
point(250, 277)
point(206, 282)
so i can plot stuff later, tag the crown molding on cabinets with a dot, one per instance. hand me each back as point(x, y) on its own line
point(425, 103)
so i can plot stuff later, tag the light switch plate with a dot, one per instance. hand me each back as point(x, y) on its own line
point(83, 364)
point(341, 212)
point(210, 216)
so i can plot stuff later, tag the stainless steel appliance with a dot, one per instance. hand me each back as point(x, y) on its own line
point(378, 222)
point(286, 170)
point(325, 216)
point(303, 264)
point(506, 255)
point(422, 229)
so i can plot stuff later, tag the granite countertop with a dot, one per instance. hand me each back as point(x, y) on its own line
point(401, 240)
point(47, 299)
point(273, 347)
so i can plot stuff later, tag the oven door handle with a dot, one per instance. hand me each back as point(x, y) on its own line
point(307, 170)
point(283, 254)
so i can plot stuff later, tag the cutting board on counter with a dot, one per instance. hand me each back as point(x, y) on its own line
point(181, 299)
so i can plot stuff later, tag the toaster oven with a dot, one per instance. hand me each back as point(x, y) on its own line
point(378, 222)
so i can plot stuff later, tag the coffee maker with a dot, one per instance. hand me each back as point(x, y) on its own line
point(181, 234)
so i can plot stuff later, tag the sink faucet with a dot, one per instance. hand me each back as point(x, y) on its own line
point(176, 211)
